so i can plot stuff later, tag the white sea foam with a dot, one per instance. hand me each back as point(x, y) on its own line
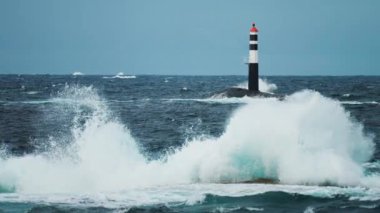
point(32, 92)
point(359, 102)
point(346, 95)
point(189, 194)
point(120, 75)
point(309, 209)
point(304, 139)
point(264, 85)
point(77, 73)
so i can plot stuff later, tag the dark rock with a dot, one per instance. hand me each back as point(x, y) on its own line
point(235, 92)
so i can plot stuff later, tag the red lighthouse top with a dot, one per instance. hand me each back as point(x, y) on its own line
point(254, 29)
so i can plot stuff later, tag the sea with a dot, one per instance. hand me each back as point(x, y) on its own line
point(152, 143)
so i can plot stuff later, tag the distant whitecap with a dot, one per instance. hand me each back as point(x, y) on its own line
point(77, 73)
point(120, 75)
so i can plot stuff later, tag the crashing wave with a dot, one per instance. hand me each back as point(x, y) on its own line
point(304, 139)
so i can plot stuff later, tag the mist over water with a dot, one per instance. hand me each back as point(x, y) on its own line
point(304, 139)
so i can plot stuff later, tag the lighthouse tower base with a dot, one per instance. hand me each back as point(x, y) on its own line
point(253, 78)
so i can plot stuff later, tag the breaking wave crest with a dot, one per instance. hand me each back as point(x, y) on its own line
point(304, 139)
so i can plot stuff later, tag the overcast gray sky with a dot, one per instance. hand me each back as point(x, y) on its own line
point(189, 37)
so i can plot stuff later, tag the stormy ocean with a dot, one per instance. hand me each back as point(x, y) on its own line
point(75, 143)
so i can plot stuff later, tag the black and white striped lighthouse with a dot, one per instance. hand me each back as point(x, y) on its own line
point(253, 73)
point(253, 62)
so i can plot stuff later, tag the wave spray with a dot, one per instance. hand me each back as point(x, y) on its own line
point(304, 139)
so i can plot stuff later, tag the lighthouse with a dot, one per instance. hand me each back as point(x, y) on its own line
point(253, 73)
point(253, 62)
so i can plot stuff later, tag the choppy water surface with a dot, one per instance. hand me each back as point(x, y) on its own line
point(162, 144)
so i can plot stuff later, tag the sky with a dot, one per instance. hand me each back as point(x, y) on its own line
point(189, 37)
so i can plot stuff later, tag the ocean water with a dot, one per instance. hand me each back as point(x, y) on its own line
point(76, 143)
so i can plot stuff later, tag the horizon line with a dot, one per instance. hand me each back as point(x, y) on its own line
point(209, 75)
